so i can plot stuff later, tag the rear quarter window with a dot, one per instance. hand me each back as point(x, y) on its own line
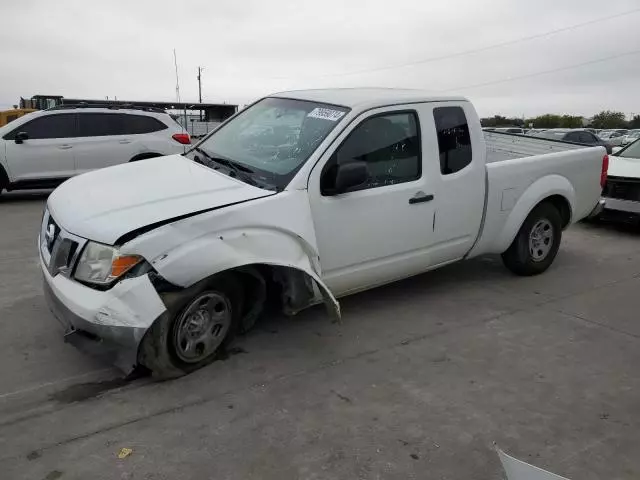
point(137, 124)
point(454, 140)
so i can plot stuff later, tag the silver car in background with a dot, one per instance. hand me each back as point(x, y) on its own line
point(631, 137)
point(614, 137)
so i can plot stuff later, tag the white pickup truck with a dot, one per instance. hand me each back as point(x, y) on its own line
point(300, 198)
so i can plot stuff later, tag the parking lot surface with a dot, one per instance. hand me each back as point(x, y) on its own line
point(419, 381)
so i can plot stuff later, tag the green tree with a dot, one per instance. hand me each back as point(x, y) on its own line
point(635, 122)
point(609, 119)
point(548, 120)
point(501, 121)
point(571, 121)
point(494, 121)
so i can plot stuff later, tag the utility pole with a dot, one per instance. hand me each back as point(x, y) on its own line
point(200, 89)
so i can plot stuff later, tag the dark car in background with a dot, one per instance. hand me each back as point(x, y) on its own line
point(581, 136)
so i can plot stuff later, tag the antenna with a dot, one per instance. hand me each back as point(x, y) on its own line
point(175, 61)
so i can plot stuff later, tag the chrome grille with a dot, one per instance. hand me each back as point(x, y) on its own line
point(59, 248)
point(51, 233)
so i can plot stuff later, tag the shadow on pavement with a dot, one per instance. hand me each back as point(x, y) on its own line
point(24, 196)
point(630, 228)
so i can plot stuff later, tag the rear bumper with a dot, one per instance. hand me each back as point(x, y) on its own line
point(107, 324)
point(626, 206)
point(598, 209)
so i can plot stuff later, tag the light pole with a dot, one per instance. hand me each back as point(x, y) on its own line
point(200, 89)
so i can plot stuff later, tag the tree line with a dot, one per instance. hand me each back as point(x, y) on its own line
point(604, 119)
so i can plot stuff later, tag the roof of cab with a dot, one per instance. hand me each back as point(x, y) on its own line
point(366, 97)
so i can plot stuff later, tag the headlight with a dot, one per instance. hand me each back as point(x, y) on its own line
point(102, 264)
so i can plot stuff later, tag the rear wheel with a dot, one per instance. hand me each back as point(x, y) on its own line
point(196, 328)
point(537, 242)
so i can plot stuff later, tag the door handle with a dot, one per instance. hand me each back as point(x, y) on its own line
point(420, 197)
point(65, 147)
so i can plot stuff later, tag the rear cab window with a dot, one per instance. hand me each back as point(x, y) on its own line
point(454, 139)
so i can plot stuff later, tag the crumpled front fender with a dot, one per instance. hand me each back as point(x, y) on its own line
point(221, 251)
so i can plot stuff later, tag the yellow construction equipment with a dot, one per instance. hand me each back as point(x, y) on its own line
point(7, 116)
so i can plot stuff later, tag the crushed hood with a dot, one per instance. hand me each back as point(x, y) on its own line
point(624, 167)
point(106, 204)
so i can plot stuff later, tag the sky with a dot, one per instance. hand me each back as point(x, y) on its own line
point(481, 49)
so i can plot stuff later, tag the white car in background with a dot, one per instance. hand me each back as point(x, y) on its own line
point(45, 148)
point(631, 137)
point(613, 137)
point(622, 190)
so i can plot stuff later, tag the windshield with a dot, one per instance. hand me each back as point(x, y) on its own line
point(631, 151)
point(272, 139)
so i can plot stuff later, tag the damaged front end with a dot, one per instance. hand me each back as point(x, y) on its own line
point(106, 324)
point(301, 289)
point(275, 264)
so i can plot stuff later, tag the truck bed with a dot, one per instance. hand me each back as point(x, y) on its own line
point(522, 171)
point(507, 146)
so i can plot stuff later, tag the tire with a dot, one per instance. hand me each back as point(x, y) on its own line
point(196, 329)
point(537, 242)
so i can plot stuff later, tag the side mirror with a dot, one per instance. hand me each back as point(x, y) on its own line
point(21, 137)
point(351, 174)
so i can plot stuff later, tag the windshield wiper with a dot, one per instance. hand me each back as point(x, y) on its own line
point(239, 171)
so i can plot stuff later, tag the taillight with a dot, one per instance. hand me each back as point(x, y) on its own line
point(182, 138)
point(605, 169)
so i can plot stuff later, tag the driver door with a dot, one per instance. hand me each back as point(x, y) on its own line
point(382, 229)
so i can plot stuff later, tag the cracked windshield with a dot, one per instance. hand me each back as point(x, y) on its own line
point(270, 140)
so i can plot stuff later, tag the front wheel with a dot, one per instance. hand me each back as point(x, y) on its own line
point(537, 242)
point(195, 329)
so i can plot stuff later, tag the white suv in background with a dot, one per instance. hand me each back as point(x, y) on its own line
point(43, 149)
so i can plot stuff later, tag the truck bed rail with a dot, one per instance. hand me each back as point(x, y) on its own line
point(507, 146)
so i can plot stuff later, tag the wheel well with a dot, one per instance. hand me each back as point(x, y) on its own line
point(283, 289)
point(563, 207)
point(4, 178)
point(144, 156)
point(264, 288)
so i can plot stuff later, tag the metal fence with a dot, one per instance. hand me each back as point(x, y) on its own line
point(198, 129)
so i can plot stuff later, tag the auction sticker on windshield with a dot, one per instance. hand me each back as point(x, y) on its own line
point(326, 114)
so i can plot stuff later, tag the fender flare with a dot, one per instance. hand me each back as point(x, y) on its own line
point(221, 251)
point(538, 191)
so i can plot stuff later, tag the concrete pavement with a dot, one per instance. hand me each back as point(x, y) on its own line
point(418, 382)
